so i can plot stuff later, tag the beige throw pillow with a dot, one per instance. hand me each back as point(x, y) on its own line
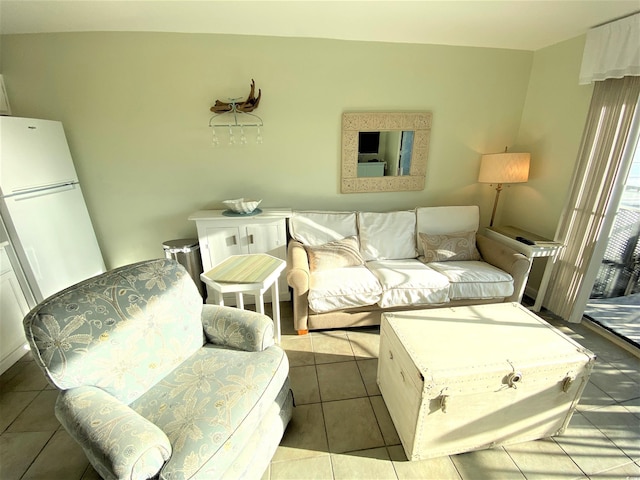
point(450, 247)
point(341, 253)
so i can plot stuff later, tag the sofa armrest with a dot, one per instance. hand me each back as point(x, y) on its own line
point(298, 277)
point(297, 267)
point(235, 328)
point(505, 258)
point(119, 442)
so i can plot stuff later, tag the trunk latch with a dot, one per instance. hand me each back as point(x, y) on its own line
point(513, 379)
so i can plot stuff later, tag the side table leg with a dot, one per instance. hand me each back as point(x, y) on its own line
point(275, 307)
point(544, 283)
point(260, 302)
point(218, 298)
point(239, 300)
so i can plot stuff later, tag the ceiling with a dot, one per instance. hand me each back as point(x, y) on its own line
point(511, 24)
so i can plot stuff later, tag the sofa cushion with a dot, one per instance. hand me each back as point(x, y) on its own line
point(318, 228)
point(387, 236)
point(449, 247)
point(475, 280)
point(341, 253)
point(409, 282)
point(339, 288)
point(445, 220)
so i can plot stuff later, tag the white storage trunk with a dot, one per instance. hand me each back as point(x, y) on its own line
point(468, 378)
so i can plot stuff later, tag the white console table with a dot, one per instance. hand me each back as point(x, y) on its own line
point(221, 236)
point(541, 247)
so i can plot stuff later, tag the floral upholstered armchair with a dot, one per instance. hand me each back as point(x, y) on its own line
point(154, 384)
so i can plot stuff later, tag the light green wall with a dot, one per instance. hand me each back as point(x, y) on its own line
point(551, 129)
point(135, 107)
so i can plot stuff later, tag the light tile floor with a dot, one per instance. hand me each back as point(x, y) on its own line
point(341, 428)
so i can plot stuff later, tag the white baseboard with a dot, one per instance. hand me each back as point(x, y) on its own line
point(612, 337)
point(8, 361)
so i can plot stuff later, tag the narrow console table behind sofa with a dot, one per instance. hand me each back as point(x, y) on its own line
point(221, 236)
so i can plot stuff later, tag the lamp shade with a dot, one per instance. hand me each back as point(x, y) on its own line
point(504, 168)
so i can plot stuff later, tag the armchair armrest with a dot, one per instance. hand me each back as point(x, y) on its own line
point(235, 328)
point(119, 442)
point(298, 276)
point(507, 259)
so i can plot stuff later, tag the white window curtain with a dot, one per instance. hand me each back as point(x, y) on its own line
point(612, 51)
point(599, 164)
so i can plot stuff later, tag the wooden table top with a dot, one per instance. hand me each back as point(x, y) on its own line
point(252, 268)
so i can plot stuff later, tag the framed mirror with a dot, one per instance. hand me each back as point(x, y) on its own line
point(384, 152)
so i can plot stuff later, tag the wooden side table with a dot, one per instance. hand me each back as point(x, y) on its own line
point(540, 247)
point(253, 274)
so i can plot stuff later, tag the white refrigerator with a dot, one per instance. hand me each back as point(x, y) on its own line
point(43, 208)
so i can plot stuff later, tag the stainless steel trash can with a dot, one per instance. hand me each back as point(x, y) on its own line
point(186, 251)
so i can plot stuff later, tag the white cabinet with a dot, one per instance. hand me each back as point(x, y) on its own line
point(221, 236)
point(13, 308)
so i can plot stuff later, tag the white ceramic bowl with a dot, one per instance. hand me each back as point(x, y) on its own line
point(242, 205)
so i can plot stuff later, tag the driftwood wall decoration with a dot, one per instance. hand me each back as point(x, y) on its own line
point(249, 105)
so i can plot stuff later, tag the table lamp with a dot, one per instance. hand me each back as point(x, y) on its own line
point(500, 168)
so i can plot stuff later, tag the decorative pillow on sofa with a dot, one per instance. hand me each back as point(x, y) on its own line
point(341, 253)
point(387, 236)
point(450, 247)
point(446, 220)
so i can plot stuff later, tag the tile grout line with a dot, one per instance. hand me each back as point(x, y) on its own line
point(6, 430)
point(326, 434)
point(455, 467)
point(35, 458)
point(324, 422)
point(514, 462)
point(39, 392)
point(586, 475)
point(615, 403)
point(631, 460)
point(393, 463)
point(600, 472)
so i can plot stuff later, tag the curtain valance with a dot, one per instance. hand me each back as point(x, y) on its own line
point(612, 51)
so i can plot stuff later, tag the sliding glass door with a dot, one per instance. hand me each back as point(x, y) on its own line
point(615, 297)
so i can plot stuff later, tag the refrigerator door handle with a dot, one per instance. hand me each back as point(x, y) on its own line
point(38, 192)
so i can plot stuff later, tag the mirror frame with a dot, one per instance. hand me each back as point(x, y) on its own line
point(352, 123)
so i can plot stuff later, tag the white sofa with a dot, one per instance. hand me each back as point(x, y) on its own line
point(345, 268)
